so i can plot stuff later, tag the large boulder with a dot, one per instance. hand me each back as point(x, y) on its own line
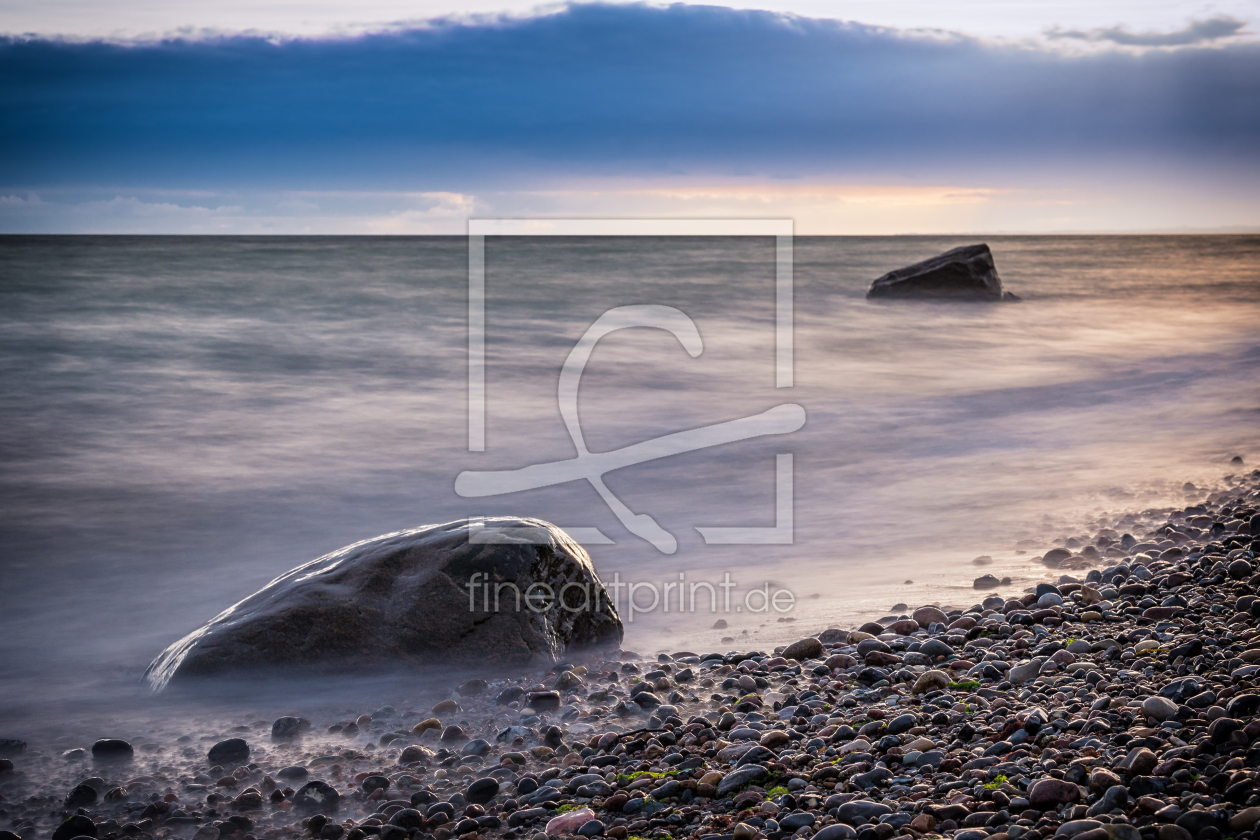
point(965, 273)
point(405, 599)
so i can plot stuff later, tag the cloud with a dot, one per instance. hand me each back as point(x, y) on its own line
point(677, 94)
point(11, 201)
point(114, 214)
point(900, 196)
point(237, 212)
point(446, 213)
point(131, 206)
point(1197, 32)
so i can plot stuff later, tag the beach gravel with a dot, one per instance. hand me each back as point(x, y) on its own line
point(1117, 700)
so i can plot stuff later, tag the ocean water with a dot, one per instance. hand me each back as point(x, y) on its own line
point(183, 419)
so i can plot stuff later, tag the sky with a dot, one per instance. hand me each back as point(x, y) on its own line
point(850, 118)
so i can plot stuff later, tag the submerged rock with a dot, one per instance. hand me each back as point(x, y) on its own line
point(76, 825)
point(287, 728)
point(231, 751)
point(107, 749)
point(965, 273)
point(81, 795)
point(986, 582)
point(317, 796)
point(405, 598)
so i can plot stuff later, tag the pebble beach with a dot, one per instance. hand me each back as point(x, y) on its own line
point(1115, 700)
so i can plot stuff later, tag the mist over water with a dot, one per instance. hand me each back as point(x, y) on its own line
point(187, 418)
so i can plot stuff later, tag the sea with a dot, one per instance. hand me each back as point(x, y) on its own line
point(185, 418)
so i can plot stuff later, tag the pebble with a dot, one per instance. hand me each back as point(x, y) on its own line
point(570, 822)
point(804, 649)
point(317, 795)
point(482, 791)
point(1075, 827)
point(76, 825)
point(82, 795)
point(231, 751)
point(1025, 671)
point(927, 616)
point(472, 687)
point(111, 749)
point(287, 728)
point(1159, 708)
point(740, 777)
point(1245, 820)
point(1051, 793)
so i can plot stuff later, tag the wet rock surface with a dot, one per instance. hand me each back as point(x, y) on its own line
point(1024, 717)
point(405, 599)
point(965, 273)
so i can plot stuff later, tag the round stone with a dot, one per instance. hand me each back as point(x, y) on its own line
point(112, 748)
point(317, 795)
point(231, 751)
point(808, 648)
point(482, 791)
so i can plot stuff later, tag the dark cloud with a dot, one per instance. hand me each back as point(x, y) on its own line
point(606, 90)
point(1198, 32)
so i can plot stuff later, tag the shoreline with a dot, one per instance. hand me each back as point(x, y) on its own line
point(1117, 707)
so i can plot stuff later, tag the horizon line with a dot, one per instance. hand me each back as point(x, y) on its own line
point(1240, 231)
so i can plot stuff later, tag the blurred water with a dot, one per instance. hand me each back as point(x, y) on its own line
point(185, 418)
